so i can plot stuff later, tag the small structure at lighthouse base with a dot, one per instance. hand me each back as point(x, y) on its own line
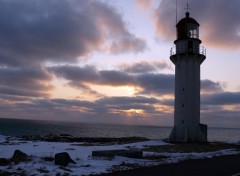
point(189, 134)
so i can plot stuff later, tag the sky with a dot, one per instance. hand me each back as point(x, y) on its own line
point(107, 61)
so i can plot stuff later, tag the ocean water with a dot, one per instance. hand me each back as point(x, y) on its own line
point(13, 127)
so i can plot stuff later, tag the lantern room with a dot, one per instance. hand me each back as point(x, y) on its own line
point(187, 28)
point(187, 41)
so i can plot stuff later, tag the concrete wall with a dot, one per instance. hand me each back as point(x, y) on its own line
point(187, 98)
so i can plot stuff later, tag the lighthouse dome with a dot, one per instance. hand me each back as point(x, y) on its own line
point(187, 19)
point(187, 28)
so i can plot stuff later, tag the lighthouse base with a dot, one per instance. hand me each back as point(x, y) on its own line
point(182, 133)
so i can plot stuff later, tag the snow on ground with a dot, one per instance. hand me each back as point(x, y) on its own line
point(85, 164)
point(81, 154)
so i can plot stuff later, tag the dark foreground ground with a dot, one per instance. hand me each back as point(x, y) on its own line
point(219, 166)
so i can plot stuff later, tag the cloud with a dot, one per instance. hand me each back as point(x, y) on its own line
point(151, 107)
point(143, 4)
point(128, 103)
point(151, 83)
point(141, 75)
point(22, 92)
point(35, 31)
point(89, 74)
point(208, 86)
point(156, 84)
point(111, 109)
point(144, 67)
point(133, 110)
point(224, 98)
point(218, 19)
point(221, 117)
point(164, 20)
point(127, 100)
point(128, 43)
point(31, 81)
point(75, 73)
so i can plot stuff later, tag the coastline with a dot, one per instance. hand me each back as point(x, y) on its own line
point(155, 153)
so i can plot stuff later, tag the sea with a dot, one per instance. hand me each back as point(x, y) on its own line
point(15, 127)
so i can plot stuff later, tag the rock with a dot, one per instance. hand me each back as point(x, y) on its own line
point(19, 156)
point(132, 153)
point(63, 159)
point(4, 162)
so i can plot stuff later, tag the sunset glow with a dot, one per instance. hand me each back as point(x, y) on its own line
point(108, 61)
point(114, 91)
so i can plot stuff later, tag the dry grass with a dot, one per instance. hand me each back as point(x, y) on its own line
point(192, 147)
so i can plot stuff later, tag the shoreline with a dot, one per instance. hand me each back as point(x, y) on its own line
point(116, 154)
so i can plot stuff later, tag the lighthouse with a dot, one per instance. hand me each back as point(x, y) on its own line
point(187, 55)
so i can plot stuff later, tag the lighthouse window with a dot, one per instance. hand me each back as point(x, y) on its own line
point(182, 121)
point(183, 105)
point(183, 89)
point(190, 46)
point(193, 31)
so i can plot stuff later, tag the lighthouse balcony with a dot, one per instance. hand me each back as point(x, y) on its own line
point(185, 49)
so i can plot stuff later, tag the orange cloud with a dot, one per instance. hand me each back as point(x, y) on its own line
point(143, 4)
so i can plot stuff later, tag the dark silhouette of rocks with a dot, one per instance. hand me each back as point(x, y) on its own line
point(63, 159)
point(4, 162)
point(69, 138)
point(19, 156)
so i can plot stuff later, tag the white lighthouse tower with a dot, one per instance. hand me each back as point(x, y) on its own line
point(187, 56)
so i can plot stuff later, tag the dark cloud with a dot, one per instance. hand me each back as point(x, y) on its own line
point(9, 98)
point(78, 76)
point(128, 43)
point(31, 81)
point(209, 86)
point(33, 31)
point(167, 102)
point(114, 109)
point(23, 77)
point(158, 84)
point(127, 100)
point(75, 73)
point(144, 67)
point(115, 78)
point(219, 21)
point(150, 83)
point(117, 109)
point(217, 117)
point(224, 98)
point(128, 103)
point(21, 92)
point(129, 75)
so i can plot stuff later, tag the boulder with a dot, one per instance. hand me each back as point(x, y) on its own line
point(19, 156)
point(4, 162)
point(63, 159)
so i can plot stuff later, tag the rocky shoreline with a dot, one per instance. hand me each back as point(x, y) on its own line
point(70, 138)
point(69, 155)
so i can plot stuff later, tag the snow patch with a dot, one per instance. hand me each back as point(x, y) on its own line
point(81, 154)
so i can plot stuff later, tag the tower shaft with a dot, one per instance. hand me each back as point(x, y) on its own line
point(187, 127)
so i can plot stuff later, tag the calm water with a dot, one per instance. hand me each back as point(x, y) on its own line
point(14, 127)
